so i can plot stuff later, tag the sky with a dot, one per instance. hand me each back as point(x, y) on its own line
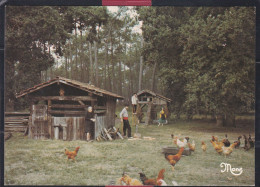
point(137, 28)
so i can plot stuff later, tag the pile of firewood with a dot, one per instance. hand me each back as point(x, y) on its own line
point(109, 134)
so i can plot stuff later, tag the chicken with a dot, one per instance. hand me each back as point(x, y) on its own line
point(129, 181)
point(238, 142)
point(71, 154)
point(147, 181)
point(217, 147)
point(247, 144)
point(203, 146)
point(251, 142)
point(182, 143)
point(159, 180)
point(174, 139)
point(228, 150)
point(214, 138)
point(192, 145)
point(156, 182)
point(173, 159)
point(225, 141)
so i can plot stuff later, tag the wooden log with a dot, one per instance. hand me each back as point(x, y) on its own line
point(100, 107)
point(108, 135)
point(99, 111)
point(175, 150)
point(67, 106)
point(118, 133)
point(17, 113)
point(82, 103)
point(67, 112)
point(62, 98)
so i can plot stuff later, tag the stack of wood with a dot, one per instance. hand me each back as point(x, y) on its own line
point(16, 121)
point(109, 134)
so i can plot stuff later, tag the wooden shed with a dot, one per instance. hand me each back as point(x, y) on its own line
point(151, 100)
point(58, 109)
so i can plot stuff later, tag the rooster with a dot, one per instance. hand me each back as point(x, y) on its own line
point(203, 146)
point(71, 154)
point(238, 142)
point(156, 182)
point(159, 180)
point(228, 150)
point(173, 159)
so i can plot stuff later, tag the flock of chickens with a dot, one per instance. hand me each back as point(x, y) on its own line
point(223, 147)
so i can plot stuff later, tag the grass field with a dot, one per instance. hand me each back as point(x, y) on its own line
point(43, 162)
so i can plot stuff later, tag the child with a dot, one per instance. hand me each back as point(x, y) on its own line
point(162, 119)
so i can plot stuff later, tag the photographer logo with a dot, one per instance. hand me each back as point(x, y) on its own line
point(228, 168)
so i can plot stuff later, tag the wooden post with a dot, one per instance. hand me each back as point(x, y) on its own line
point(56, 133)
point(148, 115)
point(49, 118)
point(64, 133)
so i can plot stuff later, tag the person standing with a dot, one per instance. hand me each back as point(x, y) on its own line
point(162, 120)
point(90, 123)
point(134, 100)
point(124, 119)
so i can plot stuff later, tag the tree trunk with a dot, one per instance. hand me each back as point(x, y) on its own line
point(229, 120)
point(82, 70)
point(91, 64)
point(141, 69)
point(219, 120)
point(113, 68)
point(71, 63)
point(66, 67)
point(153, 76)
point(108, 78)
point(76, 54)
point(96, 64)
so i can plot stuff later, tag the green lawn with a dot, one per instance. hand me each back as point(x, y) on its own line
point(43, 162)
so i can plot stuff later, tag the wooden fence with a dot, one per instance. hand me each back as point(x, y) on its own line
point(16, 121)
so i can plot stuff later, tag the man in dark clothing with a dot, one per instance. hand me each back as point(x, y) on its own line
point(124, 119)
point(90, 123)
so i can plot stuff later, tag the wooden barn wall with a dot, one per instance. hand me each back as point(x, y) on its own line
point(38, 128)
point(70, 128)
point(110, 113)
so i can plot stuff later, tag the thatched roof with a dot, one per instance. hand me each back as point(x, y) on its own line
point(73, 83)
point(153, 94)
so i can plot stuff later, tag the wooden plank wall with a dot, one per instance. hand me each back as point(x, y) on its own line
point(74, 127)
point(99, 125)
point(16, 121)
point(39, 126)
point(110, 113)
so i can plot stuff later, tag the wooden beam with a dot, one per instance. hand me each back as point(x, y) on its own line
point(118, 133)
point(67, 106)
point(81, 103)
point(100, 107)
point(67, 112)
point(108, 135)
point(99, 111)
point(61, 98)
